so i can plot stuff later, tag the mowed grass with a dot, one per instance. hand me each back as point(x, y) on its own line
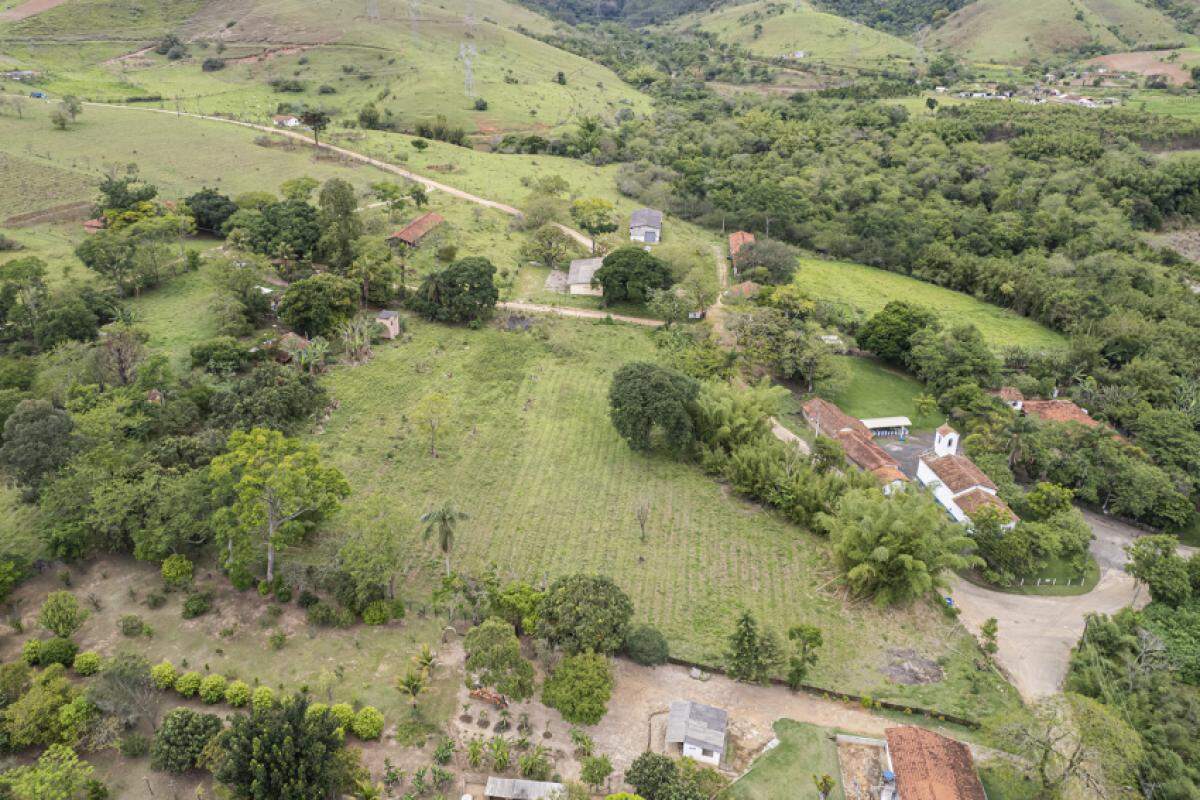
point(870, 289)
point(876, 390)
point(526, 448)
point(1183, 106)
point(787, 771)
point(823, 37)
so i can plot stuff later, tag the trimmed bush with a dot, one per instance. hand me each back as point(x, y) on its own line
point(377, 613)
point(196, 604)
point(237, 694)
point(262, 698)
point(368, 723)
point(646, 645)
point(343, 713)
point(31, 652)
point(212, 688)
point(57, 651)
point(188, 684)
point(164, 675)
point(86, 663)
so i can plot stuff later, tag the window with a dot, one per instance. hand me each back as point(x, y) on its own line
point(706, 753)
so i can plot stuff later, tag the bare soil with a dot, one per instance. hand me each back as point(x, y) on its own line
point(29, 9)
point(862, 769)
point(910, 668)
point(1148, 62)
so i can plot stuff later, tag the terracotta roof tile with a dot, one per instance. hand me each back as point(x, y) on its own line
point(930, 766)
point(828, 419)
point(972, 501)
point(1059, 411)
point(862, 451)
point(737, 241)
point(945, 429)
point(958, 473)
point(1010, 394)
point(415, 231)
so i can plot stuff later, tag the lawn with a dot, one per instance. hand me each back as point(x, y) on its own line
point(527, 450)
point(786, 771)
point(876, 390)
point(869, 289)
point(1067, 581)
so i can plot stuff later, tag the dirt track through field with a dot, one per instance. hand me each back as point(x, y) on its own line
point(30, 9)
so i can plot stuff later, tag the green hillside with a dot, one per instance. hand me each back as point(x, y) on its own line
point(772, 29)
point(1015, 31)
point(414, 60)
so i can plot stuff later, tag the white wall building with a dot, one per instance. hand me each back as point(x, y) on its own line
point(645, 225)
point(698, 730)
point(957, 484)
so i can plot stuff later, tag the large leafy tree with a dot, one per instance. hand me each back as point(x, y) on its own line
point(645, 397)
point(462, 292)
point(585, 612)
point(767, 261)
point(888, 333)
point(652, 775)
point(494, 659)
point(1154, 561)
point(896, 549)
point(548, 246)
point(210, 209)
point(315, 306)
point(270, 490)
point(271, 396)
point(629, 274)
point(580, 688)
point(340, 223)
point(595, 215)
point(182, 738)
point(57, 775)
point(38, 440)
point(281, 752)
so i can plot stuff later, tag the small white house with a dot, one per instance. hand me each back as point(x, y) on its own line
point(581, 274)
point(697, 730)
point(286, 121)
point(645, 225)
point(957, 484)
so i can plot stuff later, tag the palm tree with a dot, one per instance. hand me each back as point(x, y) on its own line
point(411, 686)
point(442, 521)
point(425, 660)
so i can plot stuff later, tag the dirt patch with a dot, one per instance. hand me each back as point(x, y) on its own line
point(137, 58)
point(862, 769)
point(269, 54)
point(1185, 242)
point(1148, 62)
point(910, 668)
point(67, 212)
point(29, 9)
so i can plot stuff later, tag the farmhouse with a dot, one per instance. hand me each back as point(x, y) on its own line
point(826, 419)
point(286, 121)
point(737, 241)
point(697, 730)
point(928, 766)
point(1058, 411)
point(389, 321)
point(515, 789)
point(412, 233)
point(580, 276)
point(958, 485)
point(645, 225)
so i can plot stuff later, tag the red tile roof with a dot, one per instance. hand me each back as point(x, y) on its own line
point(415, 231)
point(737, 241)
point(1010, 394)
point(930, 766)
point(861, 451)
point(972, 501)
point(958, 473)
point(1058, 411)
point(946, 429)
point(744, 289)
point(827, 419)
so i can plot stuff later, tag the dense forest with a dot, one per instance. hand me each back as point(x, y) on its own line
point(895, 16)
point(629, 12)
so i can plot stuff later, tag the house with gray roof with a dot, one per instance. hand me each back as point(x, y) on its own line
point(645, 225)
point(389, 322)
point(581, 274)
point(516, 789)
point(697, 730)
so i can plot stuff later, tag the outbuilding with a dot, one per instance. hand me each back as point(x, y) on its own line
point(412, 233)
point(645, 225)
point(698, 730)
point(923, 765)
point(888, 426)
point(517, 789)
point(389, 320)
point(581, 276)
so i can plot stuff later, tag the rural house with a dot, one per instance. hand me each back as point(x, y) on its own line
point(697, 730)
point(580, 275)
point(737, 241)
point(389, 320)
point(958, 485)
point(286, 121)
point(412, 233)
point(1058, 411)
point(826, 419)
point(516, 789)
point(645, 225)
point(923, 765)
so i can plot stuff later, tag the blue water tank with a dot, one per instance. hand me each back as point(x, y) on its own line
point(889, 776)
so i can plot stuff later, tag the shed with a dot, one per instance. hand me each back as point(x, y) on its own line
point(412, 233)
point(516, 789)
point(645, 225)
point(581, 274)
point(888, 426)
point(698, 730)
point(390, 322)
point(929, 766)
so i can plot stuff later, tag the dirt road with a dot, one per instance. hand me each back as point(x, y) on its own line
point(29, 9)
point(580, 313)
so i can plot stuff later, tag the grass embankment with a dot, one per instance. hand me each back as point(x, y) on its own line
point(786, 771)
point(870, 289)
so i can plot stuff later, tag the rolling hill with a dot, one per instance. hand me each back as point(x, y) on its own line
point(1016, 31)
point(771, 29)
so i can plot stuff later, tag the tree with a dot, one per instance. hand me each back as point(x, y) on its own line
point(547, 246)
point(1051, 748)
point(767, 261)
point(38, 440)
point(58, 775)
point(61, 614)
point(284, 752)
point(441, 522)
point(411, 686)
point(463, 292)
point(270, 490)
point(646, 645)
point(585, 613)
point(429, 413)
point(315, 306)
point(371, 556)
point(580, 688)
point(182, 738)
point(391, 194)
point(494, 659)
point(1154, 561)
point(888, 333)
point(210, 209)
point(824, 786)
point(947, 358)
point(752, 656)
point(790, 349)
point(652, 775)
point(645, 398)
point(595, 215)
point(595, 770)
point(340, 223)
point(628, 274)
point(317, 121)
point(299, 189)
point(806, 639)
point(35, 718)
point(417, 191)
point(895, 549)
point(988, 632)
point(125, 690)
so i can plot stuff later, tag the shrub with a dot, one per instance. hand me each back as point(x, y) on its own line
point(31, 652)
point(277, 640)
point(316, 709)
point(343, 713)
point(237, 694)
point(368, 723)
point(60, 614)
point(134, 745)
point(646, 645)
point(283, 593)
point(212, 689)
point(307, 599)
point(262, 698)
point(131, 625)
point(580, 688)
point(197, 604)
point(188, 684)
point(182, 738)
point(177, 571)
point(377, 613)
point(156, 600)
point(57, 651)
point(322, 615)
point(163, 674)
point(212, 64)
point(86, 663)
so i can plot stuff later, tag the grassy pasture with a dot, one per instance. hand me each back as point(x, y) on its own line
point(786, 771)
point(870, 289)
point(876, 390)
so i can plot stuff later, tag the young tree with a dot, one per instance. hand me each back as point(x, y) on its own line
point(595, 215)
point(429, 413)
point(125, 691)
point(61, 614)
point(315, 306)
point(806, 639)
point(585, 612)
point(411, 686)
point(392, 195)
point(987, 633)
point(645, 397)
point(752, 656)
point(642, 514)
point(417, 192)
point(270, 489)
point(596, 770)
point(548, 246)
point(580, 688)
point(628, 274)
point(371, 557)
point(494, 659)
point(442, 522)
point(824, 786)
